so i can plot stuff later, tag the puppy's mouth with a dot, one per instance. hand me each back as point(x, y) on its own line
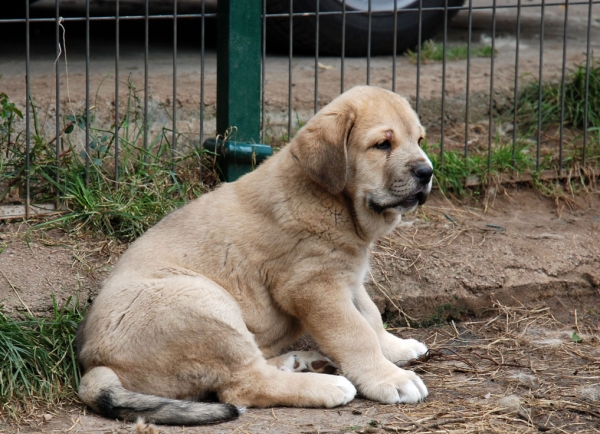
point(405, 203)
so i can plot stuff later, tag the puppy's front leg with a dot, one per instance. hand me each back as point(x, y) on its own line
point(346, 336)
point(398, 351)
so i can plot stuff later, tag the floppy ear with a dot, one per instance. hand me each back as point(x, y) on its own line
point(320, 148)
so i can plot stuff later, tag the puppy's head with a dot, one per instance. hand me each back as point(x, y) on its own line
point(366, 143)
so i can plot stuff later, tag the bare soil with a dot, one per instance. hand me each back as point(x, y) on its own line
point(501, 288)
point(501, 283)
point(323, 79)
point(516, 371)
point(516, 247)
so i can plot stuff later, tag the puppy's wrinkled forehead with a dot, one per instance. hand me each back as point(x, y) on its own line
point(389, 112)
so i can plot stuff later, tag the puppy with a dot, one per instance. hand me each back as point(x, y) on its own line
point(207, 299)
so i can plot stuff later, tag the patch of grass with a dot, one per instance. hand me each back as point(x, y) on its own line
point(152, 181)
point(454, 169)
point(147, 191)
point(434, 52)
point(37, 359)
point(574, 112)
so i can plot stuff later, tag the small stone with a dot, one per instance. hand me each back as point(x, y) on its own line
point(47, 417)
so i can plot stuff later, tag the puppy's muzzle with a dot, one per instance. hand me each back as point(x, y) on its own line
point(423, 173)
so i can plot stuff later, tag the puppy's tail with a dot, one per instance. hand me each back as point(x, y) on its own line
point(101, 389)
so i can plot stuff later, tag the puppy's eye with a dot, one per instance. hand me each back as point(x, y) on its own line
point(384, 146)
point(421, 141)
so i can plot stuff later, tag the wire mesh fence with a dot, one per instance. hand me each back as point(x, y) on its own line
point(504, 88)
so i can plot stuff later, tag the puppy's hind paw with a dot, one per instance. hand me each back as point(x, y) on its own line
point(347, 388)
point(305, 361)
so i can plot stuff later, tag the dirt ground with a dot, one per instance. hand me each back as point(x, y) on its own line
point(516, 371)
point(496, 288)
point(501, 290)
point(304, 78)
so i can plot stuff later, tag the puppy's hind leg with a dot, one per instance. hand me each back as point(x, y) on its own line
point(250, 380)
point(264, 385)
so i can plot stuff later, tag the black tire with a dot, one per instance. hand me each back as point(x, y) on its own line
point(330, 26)
point(15, 9)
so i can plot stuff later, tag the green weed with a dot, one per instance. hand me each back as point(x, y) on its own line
point(37, 359)
point(453, 169)
point(9, 113)
point(152, 180)
point(434, 52)
point(574, 100)
point(146, 192)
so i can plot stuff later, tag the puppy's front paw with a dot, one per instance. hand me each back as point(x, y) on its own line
point(400, 387)
point(401, 351)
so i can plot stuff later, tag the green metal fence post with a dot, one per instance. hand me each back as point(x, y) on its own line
point(238, 87)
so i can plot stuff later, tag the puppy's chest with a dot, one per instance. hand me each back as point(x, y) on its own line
point(327, 220)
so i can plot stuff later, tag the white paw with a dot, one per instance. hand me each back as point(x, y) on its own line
point(288, 364)
point(402, 387)
point(347, 389)
point(413, 390)
point(401, 351)
point(415, 348)
point(307, 361)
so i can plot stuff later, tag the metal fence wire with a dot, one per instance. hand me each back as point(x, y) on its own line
point(491, 77)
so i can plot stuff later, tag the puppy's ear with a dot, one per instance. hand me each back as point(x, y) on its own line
point(320, 148)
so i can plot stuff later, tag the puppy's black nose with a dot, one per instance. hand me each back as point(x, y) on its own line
point(423, 172)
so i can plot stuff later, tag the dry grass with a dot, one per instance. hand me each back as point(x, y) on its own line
point(405, 245)
point(518, 371)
